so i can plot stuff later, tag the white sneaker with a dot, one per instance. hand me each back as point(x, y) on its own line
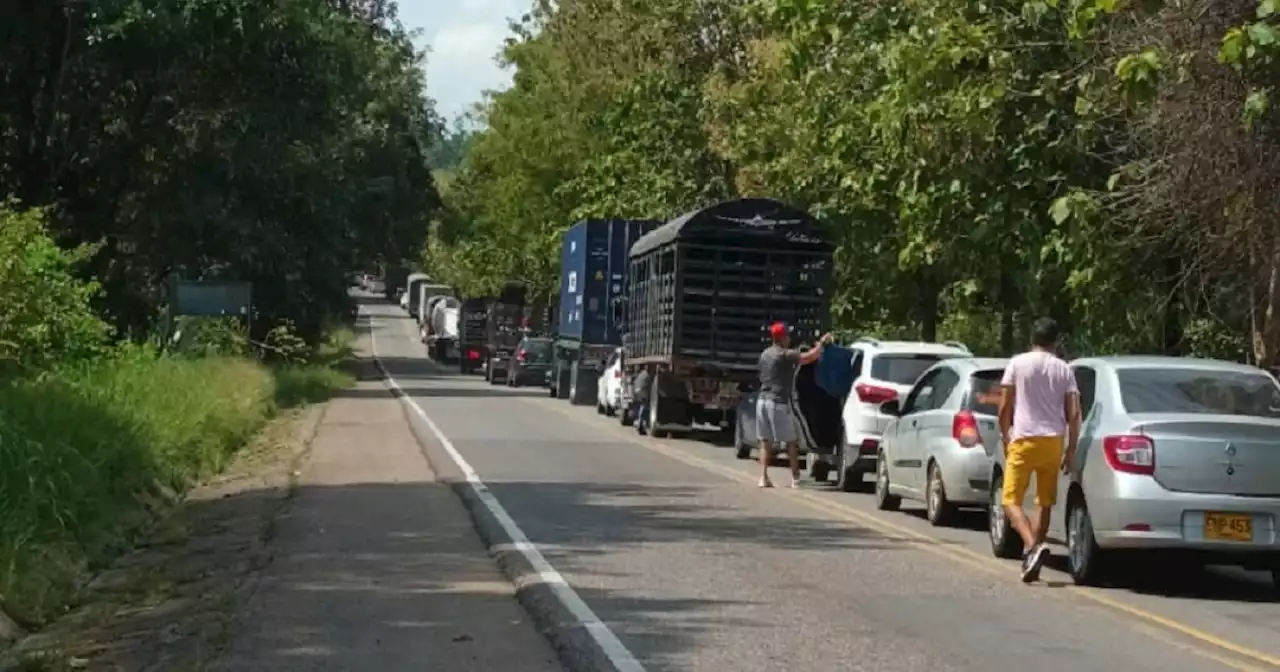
point(765, 483)
point(795, 482)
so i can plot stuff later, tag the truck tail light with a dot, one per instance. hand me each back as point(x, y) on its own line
point(473, 355)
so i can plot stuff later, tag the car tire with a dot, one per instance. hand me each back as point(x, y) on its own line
point(1086, 561)
point(1005, 542)
point(741, 448)
point(885, 501)
point(848, 479)
point(938, 510)
point(624, 417)
point(599, 408)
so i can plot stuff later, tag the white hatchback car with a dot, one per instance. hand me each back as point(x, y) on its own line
point(609, 387)
point(882, 370)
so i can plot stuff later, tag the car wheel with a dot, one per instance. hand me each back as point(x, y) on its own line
point(885, 501)
point(1005, 542)
point(848, 479)
point(1085, 560)
point(599, 407)
point(742, 448)
point(938, 510)
point(624, 417)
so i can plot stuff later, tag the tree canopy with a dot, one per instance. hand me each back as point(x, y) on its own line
point(980, 162)
point(284, 143)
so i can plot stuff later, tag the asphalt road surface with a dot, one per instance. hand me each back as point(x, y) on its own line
point(691, 567)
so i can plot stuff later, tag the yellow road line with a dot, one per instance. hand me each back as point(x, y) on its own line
point(938, 546)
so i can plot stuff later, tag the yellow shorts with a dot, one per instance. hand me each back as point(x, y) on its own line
point(1039, 455)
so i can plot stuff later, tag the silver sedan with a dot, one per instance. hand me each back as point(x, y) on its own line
point(1179, 456)
point(938, 446)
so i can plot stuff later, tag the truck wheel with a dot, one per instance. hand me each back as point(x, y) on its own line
point(656, 405)
point(581, 392)
point(818, 468)
point(741, 447)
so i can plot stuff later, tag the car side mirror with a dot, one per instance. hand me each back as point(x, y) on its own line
point(892, 407)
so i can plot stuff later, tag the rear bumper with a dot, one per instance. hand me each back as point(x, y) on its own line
point(1176, 521)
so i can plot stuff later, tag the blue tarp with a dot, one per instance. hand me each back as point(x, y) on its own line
point(835, 371)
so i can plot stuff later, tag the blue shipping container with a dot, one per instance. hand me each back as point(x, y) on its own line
point(593, 275)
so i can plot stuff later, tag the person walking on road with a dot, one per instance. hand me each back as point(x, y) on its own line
point(1039, 407)
point(774, 423)
point(640, 390)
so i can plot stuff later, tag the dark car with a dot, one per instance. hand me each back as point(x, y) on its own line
point(530, 362)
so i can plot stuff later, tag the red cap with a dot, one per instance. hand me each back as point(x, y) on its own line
point(777, 330)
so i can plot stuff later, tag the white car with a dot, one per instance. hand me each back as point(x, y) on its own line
point(882, 370)
point(404, 301)
point(609, 388)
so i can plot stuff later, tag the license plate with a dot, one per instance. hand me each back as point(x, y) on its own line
point(1228, 527)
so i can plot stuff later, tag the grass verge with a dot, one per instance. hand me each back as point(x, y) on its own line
point(90, 457)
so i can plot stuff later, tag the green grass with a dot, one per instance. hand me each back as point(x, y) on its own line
point(90, 457)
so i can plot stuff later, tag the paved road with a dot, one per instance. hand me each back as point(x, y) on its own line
point(377, 565)
point(693, 568)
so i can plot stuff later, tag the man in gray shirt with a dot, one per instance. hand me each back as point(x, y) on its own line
point(774, 421)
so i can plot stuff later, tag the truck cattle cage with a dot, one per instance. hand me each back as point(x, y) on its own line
point(703, 289)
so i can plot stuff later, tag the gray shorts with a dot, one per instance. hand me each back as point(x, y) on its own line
point(774, 422)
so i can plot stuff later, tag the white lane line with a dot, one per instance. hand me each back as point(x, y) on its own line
point(621, 658)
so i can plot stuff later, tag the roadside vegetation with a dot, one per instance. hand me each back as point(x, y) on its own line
point(979, 164)
point(280, 143)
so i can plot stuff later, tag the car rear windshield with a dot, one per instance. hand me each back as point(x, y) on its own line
point(984, 392)
point(902, 369)
point(538, 350)
point(1186, 390)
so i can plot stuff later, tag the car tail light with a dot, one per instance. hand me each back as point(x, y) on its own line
point(520, 356)
point(868, 447)
point(964, 428)
point(473, 354)
point(1130, 454)
point(874, 394)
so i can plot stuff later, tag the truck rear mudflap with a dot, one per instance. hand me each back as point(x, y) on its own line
point(819, 412)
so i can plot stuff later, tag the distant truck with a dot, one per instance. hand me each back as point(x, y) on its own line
point(394, 279)
point(702, 290)
point(427, 292)
point(593, 279)
point(440, 328)
point(473, 315)
point(504, 324)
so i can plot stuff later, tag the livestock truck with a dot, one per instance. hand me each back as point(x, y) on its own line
point(473, 316)
point(593, 278)
point(504, 327)
point(702, 290)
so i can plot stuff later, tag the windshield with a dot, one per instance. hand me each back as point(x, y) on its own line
point(902, 369)
point(984, 392)
point(538, 350)
point(1199, 391)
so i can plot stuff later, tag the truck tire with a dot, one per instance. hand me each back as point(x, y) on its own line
point(581, 388)
point(658, 405)
point(561, 383)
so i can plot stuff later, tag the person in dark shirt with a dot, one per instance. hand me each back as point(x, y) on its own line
point(774, 421)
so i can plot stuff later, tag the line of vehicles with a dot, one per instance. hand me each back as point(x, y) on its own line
point(1178, 461)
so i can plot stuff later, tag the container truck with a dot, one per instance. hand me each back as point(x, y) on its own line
point(702, 290)
point(593, 278)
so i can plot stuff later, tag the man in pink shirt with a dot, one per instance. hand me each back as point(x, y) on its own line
point(1039, 407)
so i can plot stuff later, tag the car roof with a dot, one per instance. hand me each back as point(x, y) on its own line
point(922, 347)
point(978, 363)
point(1159, 361)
